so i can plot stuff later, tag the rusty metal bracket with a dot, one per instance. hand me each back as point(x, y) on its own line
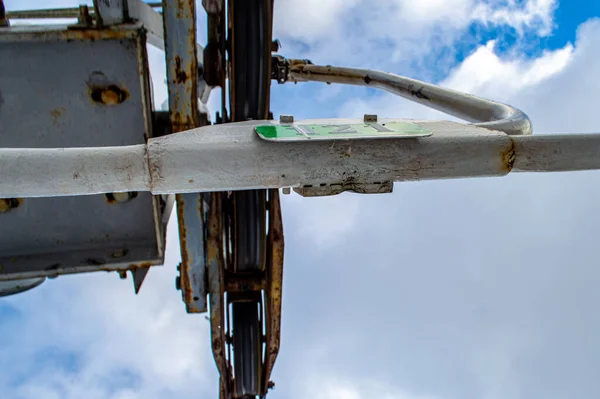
point(216, 284)
point(274, 287)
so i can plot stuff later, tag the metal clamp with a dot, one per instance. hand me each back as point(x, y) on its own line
point(481, 112)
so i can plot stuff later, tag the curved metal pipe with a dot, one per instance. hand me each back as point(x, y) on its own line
point(481, 112)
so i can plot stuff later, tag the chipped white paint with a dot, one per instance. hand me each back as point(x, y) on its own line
point(233, 157)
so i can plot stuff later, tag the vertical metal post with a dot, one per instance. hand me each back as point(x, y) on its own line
point(179, 18)
point(3, 19)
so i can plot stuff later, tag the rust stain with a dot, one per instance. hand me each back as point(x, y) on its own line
point(180, 74)
point(108, 95)
point(191, 181)
point(274, 285)
point(56, 114)
point(75, 176)
point(140, 265)
point(87, 34)
point(186, 284)
point(508, 157)
point(6, 204)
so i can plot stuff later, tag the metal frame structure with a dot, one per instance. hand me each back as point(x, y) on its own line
point(233, 157)
point(198, 162)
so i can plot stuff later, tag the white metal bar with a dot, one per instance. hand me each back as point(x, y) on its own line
point(233, 157)
point(557, 153)
point(54, 172)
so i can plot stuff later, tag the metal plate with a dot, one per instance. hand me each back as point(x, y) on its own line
point(61, 91)
point(329, 131)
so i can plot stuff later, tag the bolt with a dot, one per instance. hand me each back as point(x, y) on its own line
point(178, 283)
point(370, 118)
point(286, 190)
point(123, 274)
point(120, 197)
point(286, 119)
point(111, 95)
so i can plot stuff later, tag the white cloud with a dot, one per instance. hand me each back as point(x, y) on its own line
point(123, 346)
point(532, 14)
point(324, 221)
point(401, 30)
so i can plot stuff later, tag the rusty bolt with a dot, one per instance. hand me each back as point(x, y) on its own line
point(6, 204)
point(123, 274)
point(370, 118)
point(110, 95)
point(178, 283)
point(120, 198)
point(270, 385)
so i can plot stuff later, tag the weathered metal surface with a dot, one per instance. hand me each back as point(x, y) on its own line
point(62, 33)
point(110, 12)
point(334, 189)
point(182, 64)
point(41, 172)
point(216, 284)
point(557, 153)
point(230, 157)
point(274, 286)
point(190, 210)
point(182, 79)
point(93, 91)
point(235, 283)
point(485, 113)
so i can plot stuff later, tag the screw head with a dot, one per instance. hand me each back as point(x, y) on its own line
point(286, 119)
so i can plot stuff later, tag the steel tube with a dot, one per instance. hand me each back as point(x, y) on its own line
point(557, 153)
point(484, 113)
point(55, 172)
point(233, 157)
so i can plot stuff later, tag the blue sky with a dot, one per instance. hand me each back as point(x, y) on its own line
point(470, 289)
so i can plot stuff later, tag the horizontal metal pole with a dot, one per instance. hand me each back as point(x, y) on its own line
point(483, 112)
point(233, 157)
point(557, 153)
point(54, 172)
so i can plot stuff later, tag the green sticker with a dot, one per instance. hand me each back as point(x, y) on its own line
point(328, 131)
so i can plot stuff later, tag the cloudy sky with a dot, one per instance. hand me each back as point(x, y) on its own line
point(470, 289)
